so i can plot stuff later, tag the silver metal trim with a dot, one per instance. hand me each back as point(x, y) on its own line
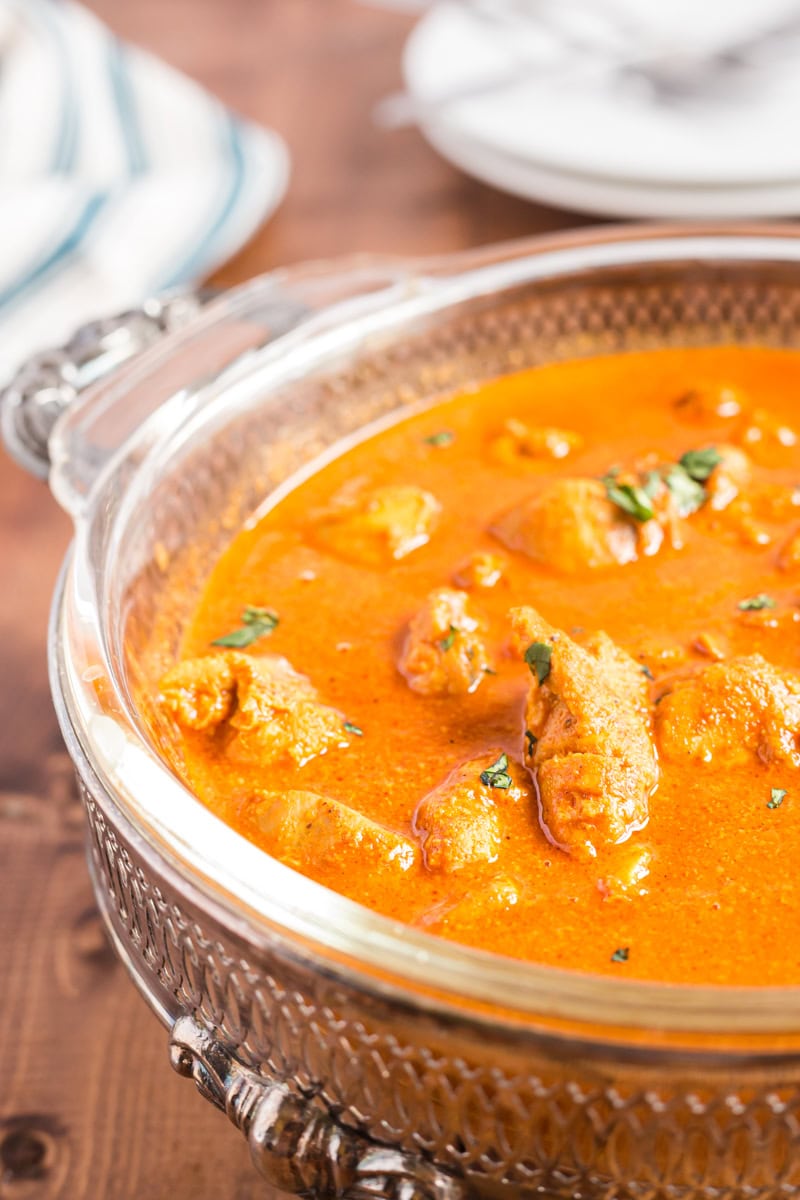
point(46, 384)
point(294, 1143)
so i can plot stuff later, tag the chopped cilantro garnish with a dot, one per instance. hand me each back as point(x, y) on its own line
point(698, 464)
point(653, 483)
point(447, 641)
point(489, 671)
point(756, 603)
point(349, 727)
point(443, 438)
point(684, 479)
point(648, 674)
point(497, 776)
point(531, 740)
point(634, 500)
point(538, 656)
point(776, 797)
point(621, 954)
point(689, 495)
point(256, 623)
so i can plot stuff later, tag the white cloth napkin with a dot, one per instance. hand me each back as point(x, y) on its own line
point(119, 177)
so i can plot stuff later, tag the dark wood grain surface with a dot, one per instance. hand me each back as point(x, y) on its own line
point(89, 1109)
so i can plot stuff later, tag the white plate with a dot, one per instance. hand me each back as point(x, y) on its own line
point(608, 197)
point(586, 120)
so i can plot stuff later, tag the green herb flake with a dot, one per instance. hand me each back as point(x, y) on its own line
point(447, 642)
point(698, 464)
point(489, 671)
point(531, 740)
point(538, 656)
point(621, 954)
point(631, 498)
point(349, 727)
point(497, 776)
point(653, 484)
point(756, 603)
point(445, 437)
point(688, 494)
point(648, 674)
point(776, 797)
point(256, 623)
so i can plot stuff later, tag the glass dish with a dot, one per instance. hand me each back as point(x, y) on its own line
point(359, 1056)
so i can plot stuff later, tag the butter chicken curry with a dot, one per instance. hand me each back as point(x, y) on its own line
point(523, 669)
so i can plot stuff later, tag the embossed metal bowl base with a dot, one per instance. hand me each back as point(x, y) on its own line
point(359, 1057)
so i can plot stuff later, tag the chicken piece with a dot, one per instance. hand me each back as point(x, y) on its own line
point(757, 507)
point(775, 502)
point(481, 570)
point(626, 875)
point(763, 434)
point(578, 523)
point(378, 525)
point(443, 654)
point(520, 444)
point(200, 693)
point(570, 525)
point(459, 823)
point(305, 827)
point(306, 830)
point(480, 905)
point(731, 474)
point(269, 709)
point(708, 404)
point(588, 740)
point(732, 712)
point(728, 491)
point(740, 520)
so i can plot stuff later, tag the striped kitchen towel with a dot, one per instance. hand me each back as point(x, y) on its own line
point(119, 177)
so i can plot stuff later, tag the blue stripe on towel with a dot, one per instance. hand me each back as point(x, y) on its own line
point(67, 137)
point(197, 261)
point(33, 275)
point(125, 99)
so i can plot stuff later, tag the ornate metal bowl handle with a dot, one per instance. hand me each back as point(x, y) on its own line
point(296, 1146)
point(48, 382)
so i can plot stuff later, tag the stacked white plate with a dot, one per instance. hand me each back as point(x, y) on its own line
point(511, 103)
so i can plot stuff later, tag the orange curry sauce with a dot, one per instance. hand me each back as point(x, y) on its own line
point(708, 889)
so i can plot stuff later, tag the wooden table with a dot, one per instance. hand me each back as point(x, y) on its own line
point(89, 1109)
